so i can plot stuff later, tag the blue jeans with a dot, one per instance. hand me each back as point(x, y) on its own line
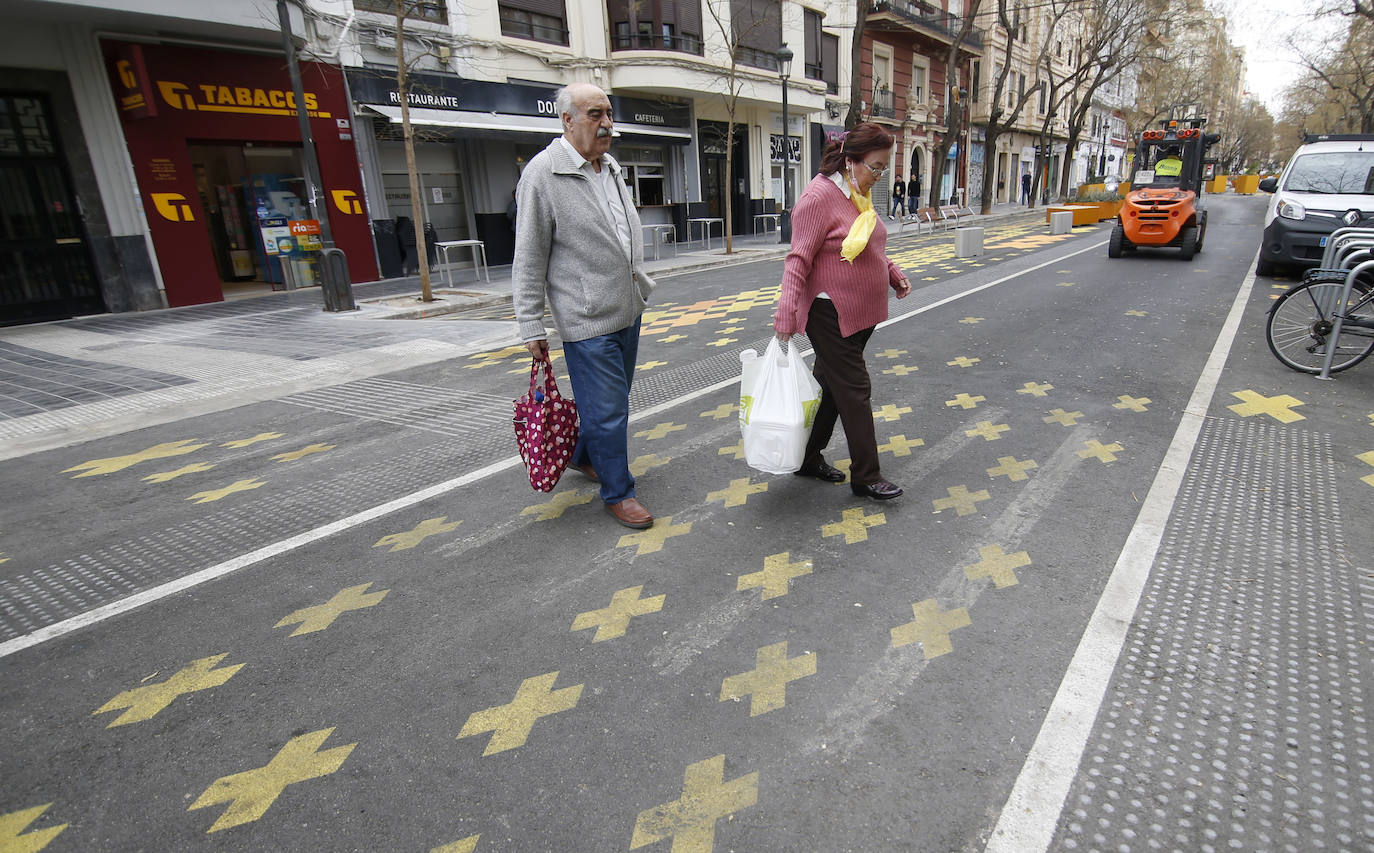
point(601, 370)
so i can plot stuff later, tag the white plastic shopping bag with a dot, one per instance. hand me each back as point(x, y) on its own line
point(778, 398)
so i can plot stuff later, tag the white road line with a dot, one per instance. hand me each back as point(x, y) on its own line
point(276, 549)
point(1030, 815)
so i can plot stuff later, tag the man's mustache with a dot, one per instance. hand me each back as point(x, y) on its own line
point(602, 133)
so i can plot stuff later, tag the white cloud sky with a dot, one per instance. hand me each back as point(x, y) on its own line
point(1263, 28)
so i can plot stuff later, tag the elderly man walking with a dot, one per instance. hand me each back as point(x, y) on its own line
point(577, 249)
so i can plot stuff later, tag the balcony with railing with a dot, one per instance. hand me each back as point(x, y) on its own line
point(685, 43)
point(883, 104)
point(923, 18)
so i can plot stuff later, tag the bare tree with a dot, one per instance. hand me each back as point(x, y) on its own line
point(956, 106)
point(1250, 143)
point(735, 29)
point(856, 53)
point(1001, 118)
point(1346, 68)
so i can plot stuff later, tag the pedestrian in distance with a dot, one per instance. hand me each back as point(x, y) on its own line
point(913, 193)
point(898, 199)
point(1025, 189)
point(834, 287)
point(577, 250)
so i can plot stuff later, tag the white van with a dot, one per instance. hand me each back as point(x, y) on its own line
point(1327, 184)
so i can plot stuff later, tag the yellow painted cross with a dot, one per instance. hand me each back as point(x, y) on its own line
point(738, 492)
point(1011, 469)
point(971, 320)
point(901, 370)
point(997, 565)
point(1134, 313)
point(465, 845)
point(219, 494)
point(965, 401)
point(892, 353)
point(1035, 389)
point(652, 540)
point(988, 430)
point(721, 342)
point(1278, 407)
point(296, 455)
point(554, 508)
point(736, 450)
point(193, 468)
point(251, 793)
point(1103, 453)
point(143, 703)
point(775, 576)
point(930, 626)
point(410, 538)
point(672, 338)
point(690, 820)
point(613, 620)
point(1059, 416)
point(724, 410)
point(650, 365)
point(961, 500)
point(891, 413)
point(14, 823)
point(963, 361)
point(640, 464)
point(321, 616)
point(112, 464)
point(853, 525)
point(4, 558)
point(766, 683)
point(1368, 458)
point(900, 445)
point(510, 724)
point(659, 431)
point(245, 442)
point(1135, 404)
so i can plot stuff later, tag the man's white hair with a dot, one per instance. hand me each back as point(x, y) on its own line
point(562, 101)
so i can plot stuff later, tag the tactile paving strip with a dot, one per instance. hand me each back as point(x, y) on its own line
point(35, 381)
point(1237, 718)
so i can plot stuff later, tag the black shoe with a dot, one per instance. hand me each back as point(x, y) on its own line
point(879, 491)
point(821, 470)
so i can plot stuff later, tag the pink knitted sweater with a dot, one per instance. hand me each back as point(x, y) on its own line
point(820, 222)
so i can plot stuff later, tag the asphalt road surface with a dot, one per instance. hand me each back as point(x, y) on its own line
point(341, 620)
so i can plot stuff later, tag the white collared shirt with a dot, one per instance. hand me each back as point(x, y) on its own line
point(605, 183)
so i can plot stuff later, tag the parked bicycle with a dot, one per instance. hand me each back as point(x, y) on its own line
point(1325, 323)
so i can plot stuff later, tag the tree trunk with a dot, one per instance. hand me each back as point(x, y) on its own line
point(728, 198)
point(856, 53)
point(992, 134)
point(416, 209)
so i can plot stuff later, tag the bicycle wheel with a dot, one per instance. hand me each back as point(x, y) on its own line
point(1299, 327)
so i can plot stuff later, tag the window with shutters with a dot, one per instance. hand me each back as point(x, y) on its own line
point(822, 53)
point(436, 13)
point(830, 62)
point(655, 25)
point(537, 20)
point(756, 31)
point(812, 24)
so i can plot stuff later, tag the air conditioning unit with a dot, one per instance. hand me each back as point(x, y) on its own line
point(383, 40)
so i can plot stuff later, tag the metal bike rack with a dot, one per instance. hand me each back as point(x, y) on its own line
point(1335, 337)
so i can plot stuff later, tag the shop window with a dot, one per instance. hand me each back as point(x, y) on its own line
point(537, 20)
point(436, 13)
point(644, 173)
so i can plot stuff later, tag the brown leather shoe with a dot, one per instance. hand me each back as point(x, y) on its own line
point(631, 513)
point(589, 472)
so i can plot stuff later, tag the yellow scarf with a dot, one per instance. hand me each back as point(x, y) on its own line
point(863, 226)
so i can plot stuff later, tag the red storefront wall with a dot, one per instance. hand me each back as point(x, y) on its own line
point(169, 95)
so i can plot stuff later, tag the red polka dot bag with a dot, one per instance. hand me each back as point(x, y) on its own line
point(545, 429)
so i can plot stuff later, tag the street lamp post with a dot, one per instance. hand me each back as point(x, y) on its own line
point(785, 217)
point(1102, 155)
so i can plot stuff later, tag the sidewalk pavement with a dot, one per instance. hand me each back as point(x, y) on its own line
point(71, 381)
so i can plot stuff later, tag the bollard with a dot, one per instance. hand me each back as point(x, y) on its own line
point(1061, 221)
point(334, 281)
point(968, 241)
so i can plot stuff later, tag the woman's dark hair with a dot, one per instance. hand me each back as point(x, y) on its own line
point(855, 145)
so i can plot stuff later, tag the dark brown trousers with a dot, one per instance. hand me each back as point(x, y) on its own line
point(846, 393)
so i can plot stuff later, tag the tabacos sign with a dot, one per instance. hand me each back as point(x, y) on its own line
point(223, 97)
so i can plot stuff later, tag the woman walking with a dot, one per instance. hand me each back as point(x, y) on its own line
point(834, 287)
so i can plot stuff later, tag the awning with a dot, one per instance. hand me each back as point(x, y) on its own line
point(545, 125)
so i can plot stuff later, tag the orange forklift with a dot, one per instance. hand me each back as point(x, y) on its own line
point(1164, 206)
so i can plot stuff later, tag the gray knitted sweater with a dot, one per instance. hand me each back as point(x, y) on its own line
point(568, 255)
